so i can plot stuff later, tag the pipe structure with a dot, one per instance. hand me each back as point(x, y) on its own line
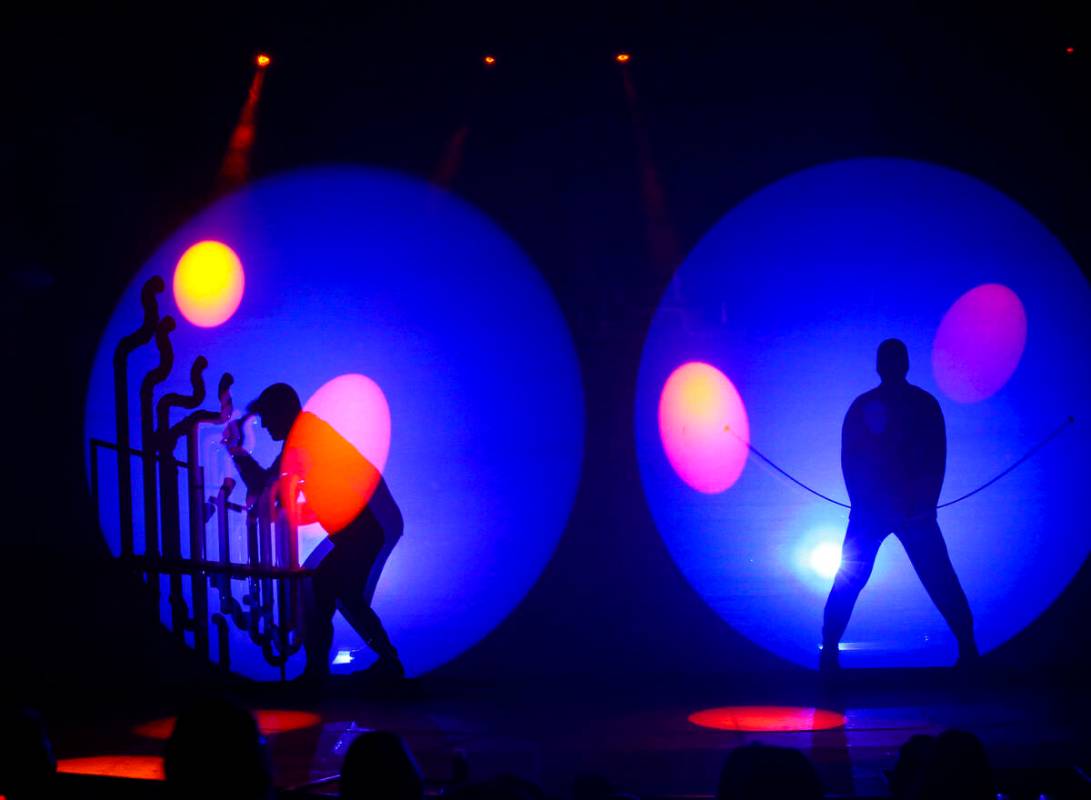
point(169, 504)
point(138, 338)
point(153, 378)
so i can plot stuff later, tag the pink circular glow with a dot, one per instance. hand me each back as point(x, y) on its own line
point(979, 343)
point(767, 718)
point(336, 451)
point(703, 427)
point(356, 408)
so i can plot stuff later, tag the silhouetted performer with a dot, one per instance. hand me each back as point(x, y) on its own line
point(345, 563)
point(893, 456)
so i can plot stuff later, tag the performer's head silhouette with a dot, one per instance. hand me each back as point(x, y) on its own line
point(278, 405)
point(892, 361)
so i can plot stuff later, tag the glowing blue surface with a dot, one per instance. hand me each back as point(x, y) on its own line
point(789, 294)
point(362, 271)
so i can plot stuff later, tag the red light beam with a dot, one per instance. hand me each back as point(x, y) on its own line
point(236, 164)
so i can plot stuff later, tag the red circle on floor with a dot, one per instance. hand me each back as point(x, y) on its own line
point(767, 718)
point(270, 722)
point(148, 768)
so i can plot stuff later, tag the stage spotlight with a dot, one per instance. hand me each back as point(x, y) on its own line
point(263, 61)
point(489, 60)
point(622, 58)
point(783, 295)
point(336, 270)
point(826, 559)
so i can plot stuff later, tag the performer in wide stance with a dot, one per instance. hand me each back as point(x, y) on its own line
point(893, 456)
point(347, 563)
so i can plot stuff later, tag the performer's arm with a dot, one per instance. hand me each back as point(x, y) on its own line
point(255, 476)
point(852, 463)
point(935, 455)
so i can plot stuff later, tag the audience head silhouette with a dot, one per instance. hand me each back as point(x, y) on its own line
point(379, 765)
point(27, 765)
point(957, 769)
point(278, 406)
point(913, 758)
point(892, 361)
point(762, 772)
point(216, 751)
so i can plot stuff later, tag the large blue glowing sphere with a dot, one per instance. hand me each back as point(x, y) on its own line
point(361, 272)
point(789, 296)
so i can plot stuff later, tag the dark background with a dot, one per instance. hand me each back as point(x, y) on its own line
point(116, 122)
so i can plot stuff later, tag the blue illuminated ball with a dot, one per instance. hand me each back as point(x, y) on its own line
point(362, 272)
point(789, 296)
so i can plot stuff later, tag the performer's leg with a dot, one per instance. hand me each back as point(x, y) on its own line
point(366, 622)
point(354, 562)
point(862, 540)
point(319, 603)
point(927, 551)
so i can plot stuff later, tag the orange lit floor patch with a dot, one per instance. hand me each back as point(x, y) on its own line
point(767, 718)
point(148, 768)
point(270, 722)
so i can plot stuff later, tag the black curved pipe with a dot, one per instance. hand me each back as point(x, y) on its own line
point(170, 522)
point(127, 345)
point(153, 378)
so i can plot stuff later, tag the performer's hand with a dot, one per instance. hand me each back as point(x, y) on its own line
point(232, 439)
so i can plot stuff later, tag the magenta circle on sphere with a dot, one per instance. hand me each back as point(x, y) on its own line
point(979, 343)
point(703, 427)
point(355, 406)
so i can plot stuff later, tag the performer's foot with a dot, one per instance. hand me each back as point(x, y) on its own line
point(312, 676)
point(309, 683)
point(385, 668)
point(829, 659)
point(968, 655)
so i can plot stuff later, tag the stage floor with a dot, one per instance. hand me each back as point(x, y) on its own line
point(638, 735)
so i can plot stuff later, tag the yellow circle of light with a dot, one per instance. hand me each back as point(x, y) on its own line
point(208, 283)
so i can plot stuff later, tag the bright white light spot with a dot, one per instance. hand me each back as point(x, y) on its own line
point(343, 657)
point(826, 559)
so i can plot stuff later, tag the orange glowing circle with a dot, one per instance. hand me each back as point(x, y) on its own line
point(264, 61)
point(271, 721)
point(704, 427)
point(148, 768)
point(208, 283)
point(768, 719)
point(489, 60)
point(338, 447)
point(621, 58)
